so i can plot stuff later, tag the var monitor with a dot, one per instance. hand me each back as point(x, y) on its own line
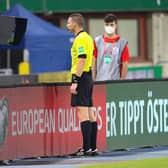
point(12, 30)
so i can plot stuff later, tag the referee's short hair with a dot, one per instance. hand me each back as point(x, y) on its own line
point(78, 18)
point(110, 18)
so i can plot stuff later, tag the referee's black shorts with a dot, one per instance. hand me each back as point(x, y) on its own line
point(84, 89)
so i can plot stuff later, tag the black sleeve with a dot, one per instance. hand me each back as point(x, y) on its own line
point(82, 56)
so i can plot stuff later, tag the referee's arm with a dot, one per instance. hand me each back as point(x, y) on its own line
point(80, 65)
point(79, 70)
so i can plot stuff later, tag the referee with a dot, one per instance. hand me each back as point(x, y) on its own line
point(82, 83)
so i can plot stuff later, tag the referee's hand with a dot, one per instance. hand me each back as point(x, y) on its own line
point(73, 88)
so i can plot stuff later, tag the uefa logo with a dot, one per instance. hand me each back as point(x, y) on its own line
point(4, 116)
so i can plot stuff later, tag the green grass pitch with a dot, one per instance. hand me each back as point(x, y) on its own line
point(144, 163)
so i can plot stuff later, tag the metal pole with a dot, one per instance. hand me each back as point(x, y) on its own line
point(7, 4)
point(158, 2)
point(8, 59)
point(44, 6)
point(8, 50)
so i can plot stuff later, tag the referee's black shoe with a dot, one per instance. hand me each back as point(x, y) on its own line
point(82, 152)
point(95, 152)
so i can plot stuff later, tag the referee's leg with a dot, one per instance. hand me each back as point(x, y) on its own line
point(85, 123)
point(93, 136)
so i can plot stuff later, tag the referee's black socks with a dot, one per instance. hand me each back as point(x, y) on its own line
point(93, 135)
point(86, 133)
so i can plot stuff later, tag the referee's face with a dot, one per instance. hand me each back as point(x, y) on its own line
point(70, 25)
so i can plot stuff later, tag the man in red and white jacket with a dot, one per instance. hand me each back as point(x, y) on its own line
point(111, 54)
